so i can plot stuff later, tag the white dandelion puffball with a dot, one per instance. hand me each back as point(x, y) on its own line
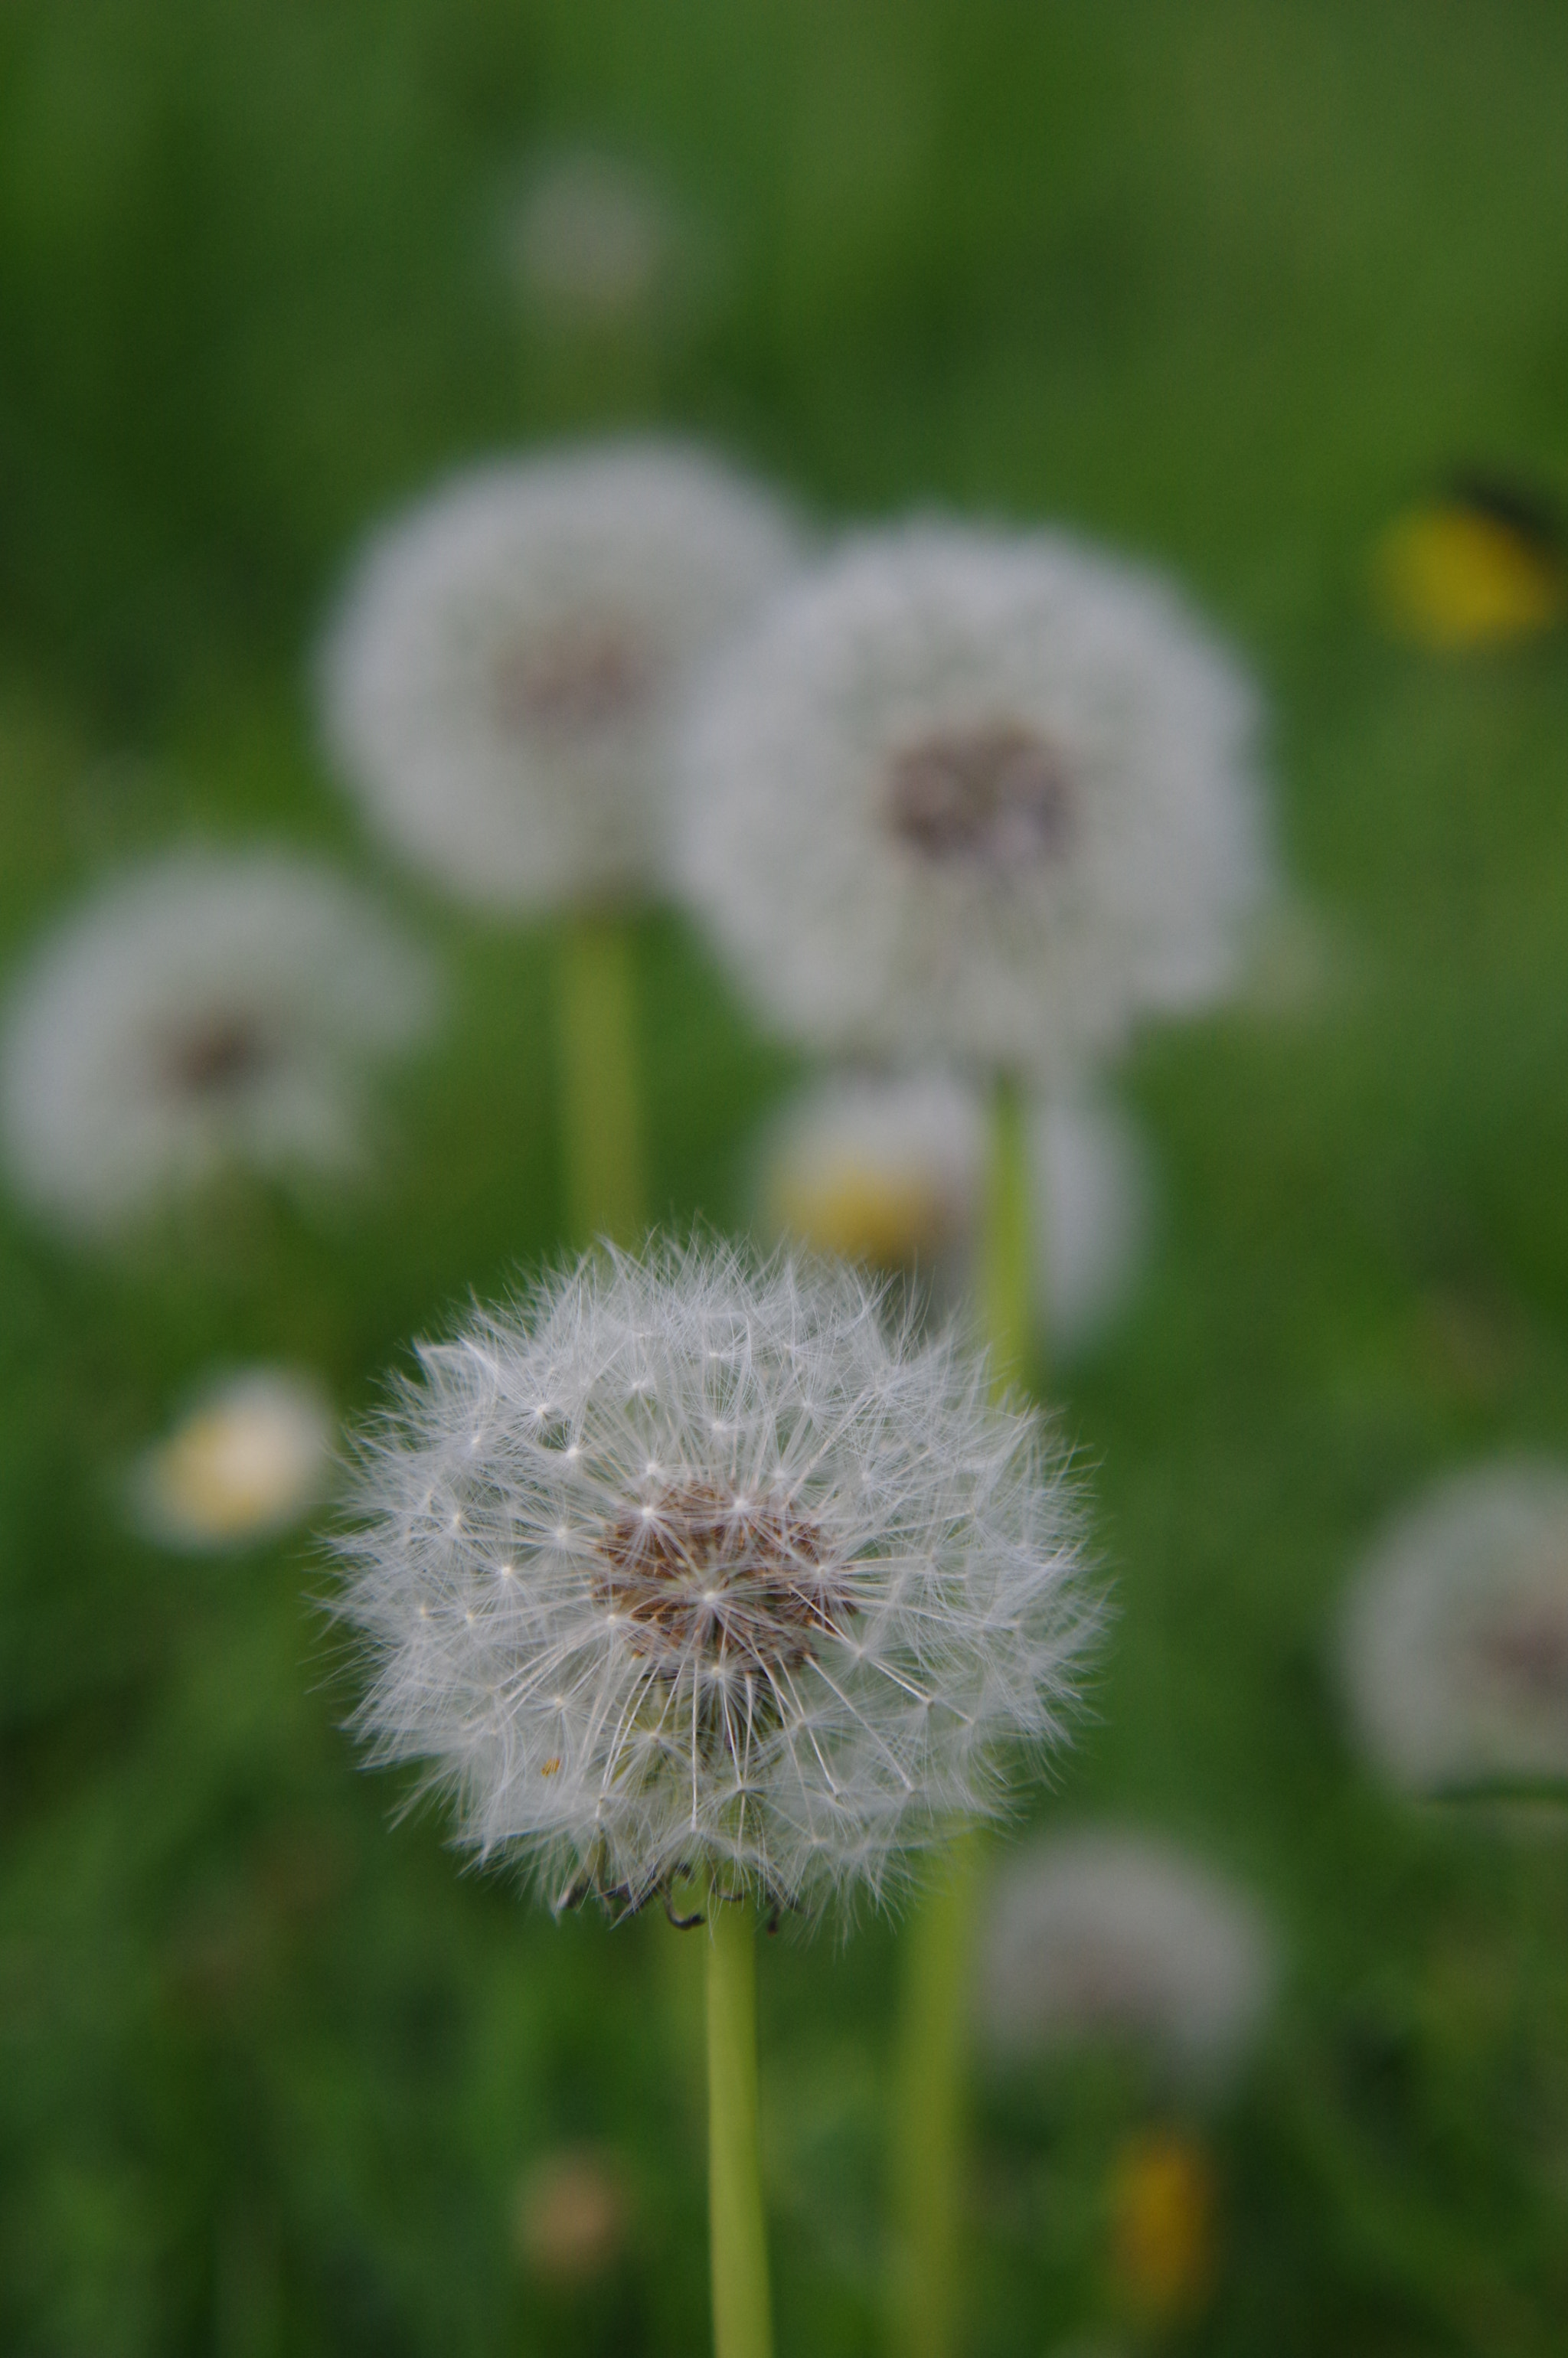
point(891, 1170)
point(501, 683)
point(594, 243)
point(212, 1008)
point(962, 794)
point(692, 1563)
point(252, 1456)
point(1105, 1935)
point(1454, 1638)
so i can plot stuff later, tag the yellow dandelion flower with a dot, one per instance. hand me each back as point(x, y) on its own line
point(1163, 2207)
point(1474, 568)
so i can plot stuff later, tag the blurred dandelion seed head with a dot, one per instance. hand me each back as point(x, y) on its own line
point(250, 1458)
point(500, 685)
point(206, 1010)
point(595, 244)
point(737, 1578)
point(889, 1170)
point(1454, 1636)
point(1112, 1935)
point(993, 793)
point(881, 1170)
point(967, 794)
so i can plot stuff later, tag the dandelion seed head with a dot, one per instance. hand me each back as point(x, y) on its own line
point(596, 245)
point(791, 1650)
point(205, 1011)
point(248, 1459)
point(976, 797)
point(1109, 1934)
point(1454, 1641)
point(890, 1169)
point(501, 683)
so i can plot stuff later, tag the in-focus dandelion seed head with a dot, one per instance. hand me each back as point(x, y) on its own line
point(745, 1581)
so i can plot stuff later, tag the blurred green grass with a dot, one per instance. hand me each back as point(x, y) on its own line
point(1221, 284)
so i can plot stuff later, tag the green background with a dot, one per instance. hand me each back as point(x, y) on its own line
point(1221, 284)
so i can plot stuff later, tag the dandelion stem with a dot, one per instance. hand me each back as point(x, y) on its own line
point(928, 2105)
point(1006, 1288)
point(742, 2326)
point(599, 1114)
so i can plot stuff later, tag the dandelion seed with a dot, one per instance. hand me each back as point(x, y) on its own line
point(1454, 1638)
point(1098, 1935)
point(205, 1011)
point(502, 682)
point(250, 1458)
point(973, 797)
point(792, 1664)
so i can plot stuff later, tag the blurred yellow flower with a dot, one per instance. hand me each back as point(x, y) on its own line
point(1163, 2207)
point(1470, 569)
point(248, 1459)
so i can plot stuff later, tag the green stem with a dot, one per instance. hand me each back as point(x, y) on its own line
point(928, 2103)
point(601, 1129)
point(1006, 1291)
point(742, 2326)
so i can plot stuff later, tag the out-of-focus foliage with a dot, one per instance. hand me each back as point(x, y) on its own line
point(1224, 286)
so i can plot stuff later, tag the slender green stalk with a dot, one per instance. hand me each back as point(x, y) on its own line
point(1006, 1275)
point(600, 1131)
point(928, 2101)
point(742, 2325)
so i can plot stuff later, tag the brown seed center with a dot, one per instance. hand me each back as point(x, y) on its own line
point(584, 673)
point(213, 1058)
point(994, 794)
point(705, 1578)
point(1527, 1650)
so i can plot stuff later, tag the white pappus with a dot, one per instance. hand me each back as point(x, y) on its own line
point(206, 1010)
point(1111, 1933)
point(966, 793)
point(1453, 1637)
point(500, 685)
point(692, 1563)
point(890, 1169)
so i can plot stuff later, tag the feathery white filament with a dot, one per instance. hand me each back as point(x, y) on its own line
point(500, 685)
point(962, 794)
point(689, 1562)
point(208, 1009)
